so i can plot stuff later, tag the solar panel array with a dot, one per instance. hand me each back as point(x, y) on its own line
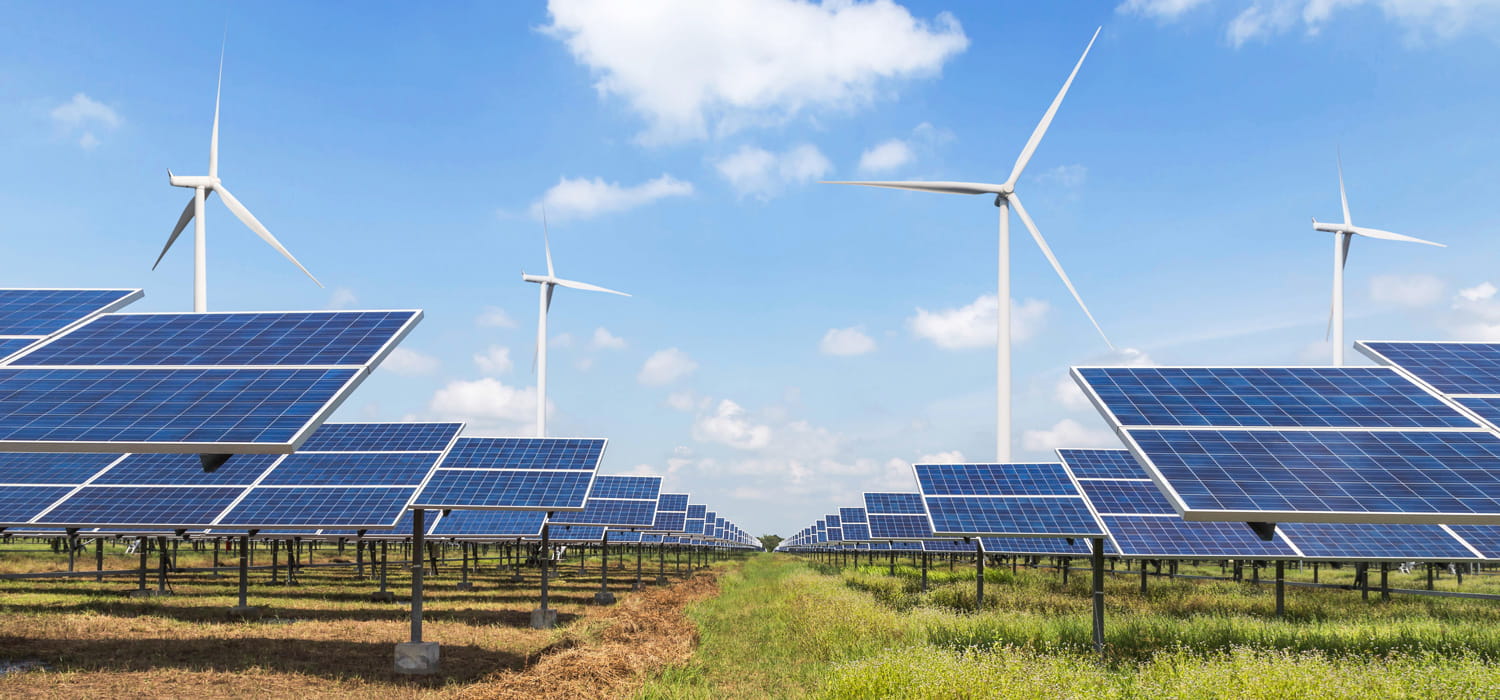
point(28, 316)
point(356, 486)
point(550, 474)
point(200, 383)
point(671, 513)
point(617, 502)
point(1004, 500)
point(1317, 444)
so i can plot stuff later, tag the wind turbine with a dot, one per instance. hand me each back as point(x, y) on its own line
point(1005, 197)
point(202, 186)
point(1343, 234)
point(548, 282)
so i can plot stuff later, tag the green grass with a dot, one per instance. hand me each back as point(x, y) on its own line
point(786, 628)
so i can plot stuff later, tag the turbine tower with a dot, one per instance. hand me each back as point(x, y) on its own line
point(1005, 197)
point(1343, 234)
point(202, 186)
point(547, 282)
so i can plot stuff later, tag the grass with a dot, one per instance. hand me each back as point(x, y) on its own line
point(783, 627)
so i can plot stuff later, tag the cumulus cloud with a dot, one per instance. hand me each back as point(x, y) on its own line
point(690, 67)
point(84, 116)
point(846, 341)
point(494, 360)
point(604, 340)
point(410, 362)
point(1161, 9)
point(886, 156)
point(582, 198)
point(1262, 19)
point(1406, 290)
point(756, 172)
point(487, 402)
point(342, 298)
point(1476, 314)
point(665, 367)
point(494, 317)
point(949, 457)
point(975, 325)
point(729, 425)
point(1068, 433)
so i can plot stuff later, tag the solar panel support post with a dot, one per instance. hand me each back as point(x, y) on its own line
point(1315, 572)
point(1361, 574)
point(1385, 589)
point(1098, 543)
point(1143, 577)
point(99, 560)
point(463, 553)
point(544, 618)
point(275, 560)
point(72, 547)
point(1280, 588)
point(661, 564)
point(603, 596)
point(216, 543)
point(359, 559)
point(924, 572)
point(383, 595)
point(638, 548)
point(978, 574)
point(161, 573)
point(417, 657)
point(515, 561)
point(1429, 576)
point(142, 546)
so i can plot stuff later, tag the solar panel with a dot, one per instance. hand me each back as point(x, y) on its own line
point(1448, 367)
point(17, 468)
point(1102, 464)
point(617, 501)
point(1125, 497)
point(676, 502)
point(852, 515)
point(1041, 546)
point(1004, 500)
point(894, 504)
point(856, 532)
point(671, 512)
point(352, 469)
point(491, 524)
point(159, 506)
point(382, 437)
point(1374, 541)
point(574, 533)
point(552, 474)
point(1172, 537)
point(10, 346)
point(1324, 397)
point(19, 504)
point(41, 312)
point(359, 507)
point(1483, 538)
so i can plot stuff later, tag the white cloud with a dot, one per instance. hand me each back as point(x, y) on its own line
point(949, 457)
point(1161, 9)
point(846, 341)
point(410, 362)
point(665, 367)
point(1065, 176)
point(974, 325)
point(494, 317)
point(485, 399)
point(1068, 433)
point(561, 340)
point(84, 114)
point(581, 198)
point(756, 172)
point(604, 340)
point(1406, 290)
point(342, 298)
point(494, 360)
point(729, 425)
point(1479, 292)
point(1476, 314)
point(1071, 396)
point(885, 156)
point(689, 66)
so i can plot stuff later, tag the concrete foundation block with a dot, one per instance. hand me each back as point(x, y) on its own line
point(604, 598)
point(543, 619)
point(417, 658)
point(382, 597)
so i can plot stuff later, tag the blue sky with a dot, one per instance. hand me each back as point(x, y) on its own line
point(788, 344)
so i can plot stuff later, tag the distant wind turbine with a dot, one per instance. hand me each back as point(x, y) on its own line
point(1345, 233)
point(202, 186)
point(1005, 196)
point(547, 282)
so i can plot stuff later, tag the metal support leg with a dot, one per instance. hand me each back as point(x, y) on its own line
point(1280, 588)
point(543, 617)
point(1098, 595)
point(924, 572)
point(978, 574)
point(417, 569)
point(99, 559)
point(1385, 589)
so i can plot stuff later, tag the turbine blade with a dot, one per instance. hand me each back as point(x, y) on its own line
point(1057, 266)
point(586, 286)
point(937, 186)
point(1041, 127)
point(550, 288)
point(213, 141)
point(1389, 236)
point(249, 220)
point(182, 222)
point(547, 243)
point(1344, 196)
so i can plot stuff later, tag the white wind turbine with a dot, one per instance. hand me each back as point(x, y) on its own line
point(1344, 234)
point(202, 186)
point(548, 282)
point(1005, 197)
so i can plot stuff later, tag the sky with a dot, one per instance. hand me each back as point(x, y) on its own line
point(788, 345)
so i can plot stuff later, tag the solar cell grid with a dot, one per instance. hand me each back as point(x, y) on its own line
point(38, 312)
point(505, 488)
point(1102, 464)
point(381, 437)
point(350, 469)
point(1012, 516)
point(574, 533)
point(168, 506)
point(1452, 368)
point(19, 504)
point(1170, 537)
point(638, 487)
point(525, 453)
point(899, 527)
point(894, 504)
point(185, 470)
point(611, 513)
point(52, 467)
point(1375, 541)
point(676, 502)
point(1331, 397)
point(225, 339)
point(327, 506)
point(10, 346)
point(1042, 546)
point(1126, 497)
point(857, 532)
point(993, 479)
point(1484, 538)
point(852, 515)
point(667, 521)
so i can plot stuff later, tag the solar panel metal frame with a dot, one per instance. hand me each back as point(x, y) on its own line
point(309, 425)
point(1125, 433)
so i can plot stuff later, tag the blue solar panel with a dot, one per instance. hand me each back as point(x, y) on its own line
point(676, 502)
point(894, 504)
point(1102, 464)
point(1397, 475)
point(1485, 538)
point(697, 512)
point(328, 506)
point(949, 546)
point(832, 521)
point(99, 408)
point(852, 515)
point(381, 437)
point(45, 311)
point(351, 469)
point(505, 488)
point(13, 345)
point(669, 522)
point(1042, 546)
point(19, 504)
point(401, 530)
point(51, 467)
point(1170, 537)
point(899, 527)
point(491, 523)
point(611, 513)
point(693, 526)
point(1014, 515)
point(994, 480)
point(637, 487)
point(234, 339)
point(574, 533)
point(185, 470)
point(525, 453)
point(1374, 541)
point(163, 506)
point(856, 532)
point(1334, 397)
point(1452, 368)
point(1126, 497)
point(1486, 407)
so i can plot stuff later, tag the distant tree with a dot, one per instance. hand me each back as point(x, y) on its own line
point(770, 541)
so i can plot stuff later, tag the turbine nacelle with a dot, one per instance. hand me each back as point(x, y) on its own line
point(1331, 227)
point(192, 181)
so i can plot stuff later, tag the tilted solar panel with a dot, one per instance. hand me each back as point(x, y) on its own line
point(1375, 541)
point(852, 515)
point(37, 313)
point(674, 502)
point(856, 532)
point(1483, 538)
point(1448, 367)
point(617, 501)
point(479, 524)
point(1004, 500)
point(894, 504)
point(1102, 464)
point(552, 474)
